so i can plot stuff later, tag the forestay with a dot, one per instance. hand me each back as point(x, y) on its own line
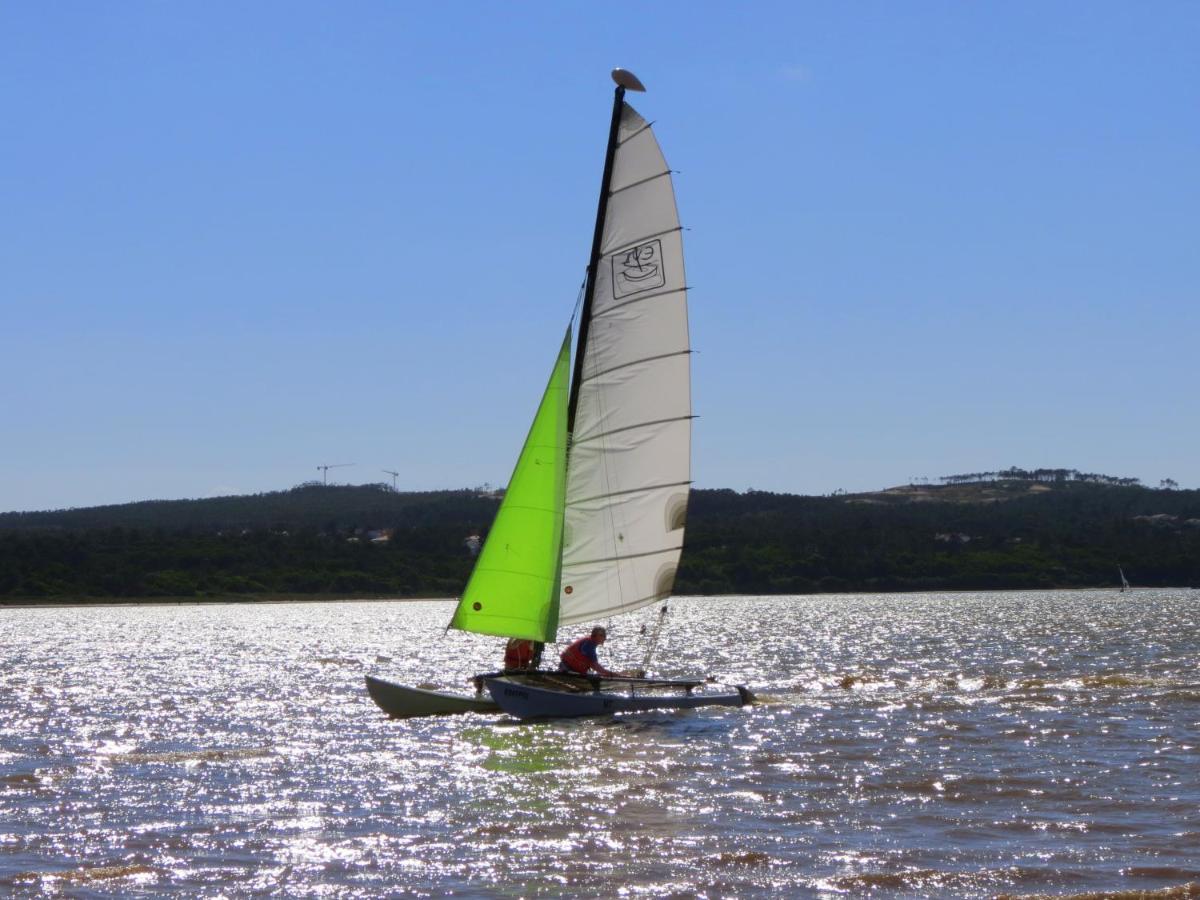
point(629, 460)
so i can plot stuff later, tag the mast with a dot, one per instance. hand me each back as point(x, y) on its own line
point(628, 448)
point(624, 80)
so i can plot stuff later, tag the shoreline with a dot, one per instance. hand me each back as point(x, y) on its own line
point(232, 599)
point(29, 603)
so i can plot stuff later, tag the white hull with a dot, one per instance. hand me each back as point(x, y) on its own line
point(399, 701)
point(518, 697)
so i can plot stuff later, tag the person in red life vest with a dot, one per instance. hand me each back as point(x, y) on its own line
point(580, 657)
point(522, 654)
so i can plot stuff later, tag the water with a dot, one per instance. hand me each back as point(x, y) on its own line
point(913, 745)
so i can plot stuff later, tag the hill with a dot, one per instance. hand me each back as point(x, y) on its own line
point(332, 508)
point(987, 534)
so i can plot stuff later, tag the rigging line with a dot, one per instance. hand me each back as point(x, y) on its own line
point(590, 562)
point(642, 240)
point(653, 487)
point(624, 141)
point(592, 376)
point(638, 425)
point(634, 184)
point(578, 302)
point(624, 303)
point(655, 633)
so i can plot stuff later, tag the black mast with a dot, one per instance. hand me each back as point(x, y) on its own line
point(623, 79)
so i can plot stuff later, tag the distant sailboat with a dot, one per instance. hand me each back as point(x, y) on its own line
point(592, 522)
point(1124, 582)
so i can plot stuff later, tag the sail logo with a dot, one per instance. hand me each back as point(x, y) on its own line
point(638, 269)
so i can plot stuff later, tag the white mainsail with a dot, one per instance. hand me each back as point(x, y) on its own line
point(629, 468)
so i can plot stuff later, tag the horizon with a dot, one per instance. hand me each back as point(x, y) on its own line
point(239, 245)
point(941, 481)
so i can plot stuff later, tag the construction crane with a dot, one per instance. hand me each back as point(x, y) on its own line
point(394, 476)
point(325, 471)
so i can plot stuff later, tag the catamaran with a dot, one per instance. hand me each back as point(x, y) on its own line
point(591, 525)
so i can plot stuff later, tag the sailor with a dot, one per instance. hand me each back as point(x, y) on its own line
point(522, 654)
point(580, 657)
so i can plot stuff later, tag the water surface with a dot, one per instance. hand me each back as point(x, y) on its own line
point(954, 745)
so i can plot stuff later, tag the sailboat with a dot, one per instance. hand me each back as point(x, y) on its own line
point(591, 525)
point(1124, 581)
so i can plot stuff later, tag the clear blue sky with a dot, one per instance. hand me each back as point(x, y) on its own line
point(241, 240)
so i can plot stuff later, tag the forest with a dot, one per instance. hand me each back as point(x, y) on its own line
point(967, 533)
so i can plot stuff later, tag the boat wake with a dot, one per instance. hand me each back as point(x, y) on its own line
point(958, 688)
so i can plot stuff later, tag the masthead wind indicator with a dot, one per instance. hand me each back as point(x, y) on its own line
point(626, 79)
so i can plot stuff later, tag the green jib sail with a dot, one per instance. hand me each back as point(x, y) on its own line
point(513, 591)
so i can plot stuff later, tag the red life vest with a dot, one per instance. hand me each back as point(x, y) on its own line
point(574, 659)
point(518, 654)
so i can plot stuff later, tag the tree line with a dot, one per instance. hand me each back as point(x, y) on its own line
point(316, 540)
point(1047, 476)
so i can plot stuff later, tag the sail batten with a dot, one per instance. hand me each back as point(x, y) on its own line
point(630, 137)
point(633, 242)
point(629, 466)
point(605, 612)
point(635, 426)
point(643, 181)
point(634, 362)
point(652, 487)
point(610, 559)
point(617, 306)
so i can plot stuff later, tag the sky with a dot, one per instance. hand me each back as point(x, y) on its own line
point(240, 241)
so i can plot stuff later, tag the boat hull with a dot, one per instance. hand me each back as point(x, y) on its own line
point(402, 702)
point(528, 701)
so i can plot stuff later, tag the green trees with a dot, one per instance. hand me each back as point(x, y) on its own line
point(1073, 533)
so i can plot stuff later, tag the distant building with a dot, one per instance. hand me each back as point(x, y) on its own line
point(952, 538)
